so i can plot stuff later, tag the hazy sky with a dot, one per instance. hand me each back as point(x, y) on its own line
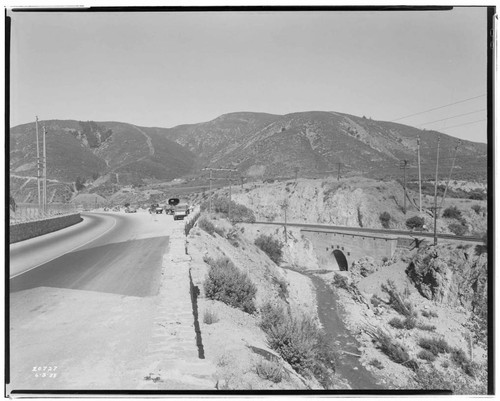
point(165, 69)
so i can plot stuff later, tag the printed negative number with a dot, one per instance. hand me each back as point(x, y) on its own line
point(43, 374)
point(44, 371)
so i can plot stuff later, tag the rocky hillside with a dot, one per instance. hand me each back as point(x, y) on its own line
point(106, 154)
point(260, 144)
point(354, 202)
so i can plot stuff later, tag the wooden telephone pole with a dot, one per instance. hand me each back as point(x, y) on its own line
point(449, 176)
point(403, 165)
point(435, 192)
point(44, 172)
point(230, 181)
point(285, 206)
point(38, 166)
point(419, 178)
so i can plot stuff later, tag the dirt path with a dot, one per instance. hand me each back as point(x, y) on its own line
point(148, 141)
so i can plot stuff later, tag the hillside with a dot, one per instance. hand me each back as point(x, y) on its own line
point(265, 145)
point(353, 202)
point(103, 156)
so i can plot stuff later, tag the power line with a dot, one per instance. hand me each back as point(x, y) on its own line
point(469, 123)
point(437, 108)
point(449, 118)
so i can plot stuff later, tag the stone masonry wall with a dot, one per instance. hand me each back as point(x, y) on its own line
point(32, 229)
point(353, 246)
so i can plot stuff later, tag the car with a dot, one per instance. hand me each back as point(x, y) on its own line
point(181, 211)
point(130, 210)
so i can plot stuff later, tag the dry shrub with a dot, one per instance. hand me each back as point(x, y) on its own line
point(210, 317)
point(270, 370)
point(426, 355)
point(271, 246)
point(434, 345)
point(426, 327)
point(300, 342)
point(228, 284)
point(209, 227)
point(399, 303)
point(394, 350)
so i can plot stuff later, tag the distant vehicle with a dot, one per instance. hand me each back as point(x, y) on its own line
point(155, 209)
point(172, 203)
point(130, 210)
point(169, 209)
point(181, 211)
point(106, 209)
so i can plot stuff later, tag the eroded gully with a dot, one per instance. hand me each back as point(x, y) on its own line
point(348, 366)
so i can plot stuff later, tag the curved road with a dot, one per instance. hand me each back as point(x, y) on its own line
point(82, 302)
point(102, 253)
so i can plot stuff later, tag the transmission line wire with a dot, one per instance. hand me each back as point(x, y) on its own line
point(449, 118)
point(437, 108)
point(460, 125)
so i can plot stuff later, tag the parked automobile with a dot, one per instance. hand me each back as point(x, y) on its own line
point(181, 211)
point(155, 208)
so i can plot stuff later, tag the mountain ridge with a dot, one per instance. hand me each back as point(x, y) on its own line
point(110, 154)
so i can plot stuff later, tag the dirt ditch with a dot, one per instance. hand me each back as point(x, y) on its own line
point(348, 364)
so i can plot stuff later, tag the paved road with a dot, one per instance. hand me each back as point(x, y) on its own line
point(375, 231)
point(82, 301)
point(110, 261)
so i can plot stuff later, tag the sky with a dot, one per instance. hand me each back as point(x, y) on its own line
point(166, 69)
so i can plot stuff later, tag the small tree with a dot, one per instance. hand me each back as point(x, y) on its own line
point(415, 222)
point(272, 247)
point(385, 219)
point(79, 183)
point(452, 213)
point(457, 229)
point(475, 195)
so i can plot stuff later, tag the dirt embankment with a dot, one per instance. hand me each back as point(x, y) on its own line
point(232, 339)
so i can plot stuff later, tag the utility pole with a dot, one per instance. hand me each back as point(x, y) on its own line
point(230, 195)
point(419, 178)
point(449, 176)
point(403, 165)
point(284, 206)
point(38, 176)
point(210, 190)
point(435, 192)
point(230, 179)
point(44, 171)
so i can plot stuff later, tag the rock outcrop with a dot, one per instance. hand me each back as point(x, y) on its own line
point(452, 275)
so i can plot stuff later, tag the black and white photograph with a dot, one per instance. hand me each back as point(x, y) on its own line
point(249, 200)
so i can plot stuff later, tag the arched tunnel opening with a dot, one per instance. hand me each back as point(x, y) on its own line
point(341, 260)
